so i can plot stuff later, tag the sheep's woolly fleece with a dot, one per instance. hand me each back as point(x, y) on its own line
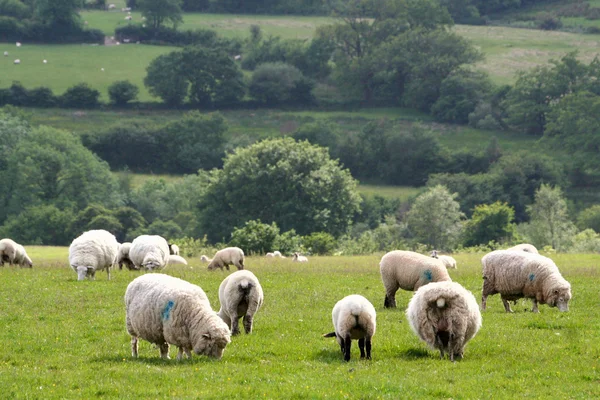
point(241, 295)
point(93, 251)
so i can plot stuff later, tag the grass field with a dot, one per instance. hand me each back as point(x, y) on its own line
point(67, 339)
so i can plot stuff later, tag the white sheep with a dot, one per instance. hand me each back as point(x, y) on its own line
point(123, 257)
point(204, 258)
point(298, 258)
point(240, 295)
point(226, 257)
point(269, 255)
point(17, 61)
point(173, 249)
point(408, 270)
point(93, 251)
point(448, 261)
point(152, 253)
point(529, 248)
point(277, 253)
point(21, 257)
point(166, 310)
point(14, 253)
point(6, 54)
point(354, 317)
point(444, 315)
point(519, 274)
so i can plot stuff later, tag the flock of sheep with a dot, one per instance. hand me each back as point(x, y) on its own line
point(169, 311)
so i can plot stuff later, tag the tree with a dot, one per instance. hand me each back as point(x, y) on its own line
point(296, 185)
point(80, 96)
point(122, 92)
point(490, 222)
point(159, 12)
point(255, 237)
point(41, 225)
point(589, 218)
point(435, 218)
point(62, 16)
point(279, 83)
point(165, 78)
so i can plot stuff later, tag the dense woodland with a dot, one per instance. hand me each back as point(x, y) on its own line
point(299, 191)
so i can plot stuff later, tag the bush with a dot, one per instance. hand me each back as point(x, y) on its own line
point(280, 83)
point(589, 218)
point(80, 96)
point(321, 243)
point(42, 97)
point(255, 237)
point(122, 92)
point(550, 23)
point(587, 241)
point(288, 242)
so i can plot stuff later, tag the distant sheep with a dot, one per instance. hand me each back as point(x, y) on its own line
point(529, 248)
point(240, 295)
point(166, 310)
point(298, 258)
point(204, 258)
point(14, 253)
point(277, 253)
point(520, 274)
point(226, 257)
point(445, 316)
point(354, 317)
point(270, 255)
point(408, 270)
point(92, 251)
point(17, 61)
point(448, 261)
point(123, 257)
point(152, 253)
point(21, 257)
point(173, 249)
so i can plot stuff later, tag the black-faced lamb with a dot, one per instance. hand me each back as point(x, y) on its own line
point(92, 251)
point(445, 316)
point(165, 310)
point(226, 257)
point(123, 257)
point(354, 317)
point(447, 260)
point(152, 253)
point(296, 257)
point(408, 270)
point(519, 274)
point(240, 295)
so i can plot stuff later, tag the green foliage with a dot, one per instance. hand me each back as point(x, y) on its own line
point(375, 210)
point(167, 229)
point(165, 80)
point(288, 242)
point(14, 8)
point(295, 185)
point(435, 218)
point(490, 222)
point(60, 15)
point(321, 243)
point(80, 96)
point(279, 83)
point(589, 218)
point(13, 129)
point(322, 133)
point(255, 237)
point(43, 224)
point(586, 241)
point(122, 92)
point(160, 12)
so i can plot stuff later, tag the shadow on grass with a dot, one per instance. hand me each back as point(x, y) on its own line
point(157, 361)
point(414, 354)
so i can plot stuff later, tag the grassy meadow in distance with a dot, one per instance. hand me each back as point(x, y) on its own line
point(67, 339)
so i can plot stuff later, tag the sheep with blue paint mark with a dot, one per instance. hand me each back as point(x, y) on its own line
point(408, 270)
point(520, 274)
point(165, 310)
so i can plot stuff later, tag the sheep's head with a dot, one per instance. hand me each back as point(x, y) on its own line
point(212, 345)
point(434, 254)
point(82, 272)
point(559, 297)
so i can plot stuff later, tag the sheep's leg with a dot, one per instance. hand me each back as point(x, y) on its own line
point(368, 345)
point(390, 300)
point(164, 350)
point(341, 343)
point(134, 346)
point(347, 344)
point(361, 346)
point(188, 353)
point(535, 306)
point(506, 305)
point(240, 264)
point(483, 301)
point(248, 323)
point(180, 354)
point(93, 275)
point(108, 273)
point(120, 265)
point(235, 324)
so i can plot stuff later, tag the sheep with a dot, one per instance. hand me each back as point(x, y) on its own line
point(17, 61)
point(165, 310)
point(298, 258)
point(270, 255)
point(14, 253)
point(444, 315)
point(448, 261)
point(519, 274)
point(173, 249)
point(354, 317)
point(277, 253)
point(152, 253)
point(6, 54)
point(93, 251)
point(529, 248)
point(240, 295)
point(204, 258)
point(123, 257)
point(408, 270)
point(21, 257)
point(226, 257)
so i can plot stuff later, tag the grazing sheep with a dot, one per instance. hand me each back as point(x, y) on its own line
point(21, 258)
point(226, 257)
point(173, 249)
point(270, 255)
point(240, 295)
point(277, 253)
point(123, 257)
point(17, 61)
point(152, 253)
point(298, 258)
point(408, 270)
point(444, 315)
point(354, 317)
point(519, 274)
point(448, 261)
point(529, 248)
point(166, 310)
point(13, 253)
point(93, 251)
point(5, 53)
point(204, 258)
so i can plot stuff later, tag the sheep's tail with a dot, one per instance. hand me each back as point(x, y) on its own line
point(245, 287)
point(330, 334)
point(173, 259)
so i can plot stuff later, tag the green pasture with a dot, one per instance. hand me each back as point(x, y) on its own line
point(67, 339)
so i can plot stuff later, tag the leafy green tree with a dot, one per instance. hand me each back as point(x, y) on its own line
point(130, 219)
point(435, 218)
point(41, 225)
point(122, 92)
point(586, 241)
point(160, 12)
point(490, 222)
point(13, 129)
point(279, 83)
point(589, 218)
point(165, 78)
point(60, 15)
point(320, 132)
point(322, 243)
point(80, 96)
point(255, 237)
point(296, 185)
point(288, 242)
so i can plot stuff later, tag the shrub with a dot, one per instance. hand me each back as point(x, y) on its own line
point(255, 237)
point(280, 83)
point(80, 96)
point(288, 242)
point(589, 218)
point(122, 92)
point(322, 243)
point(42, 97)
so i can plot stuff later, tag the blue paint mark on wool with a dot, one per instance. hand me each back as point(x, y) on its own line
point(167, 311)
point(428, 275)
point(531, 277)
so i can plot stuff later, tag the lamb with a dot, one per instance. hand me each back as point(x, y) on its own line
point(298, 258)
point(408, 270)
point(448, 261)
point(529, 248)
point(123, 257)
point(152, 253)
point(240, 295)
point(445, 316)
point(93, 251)
point(166, 310)
point(354, 317)
point(13, 253)
point(519, 274)
point(226, 257)
point(173, 249)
